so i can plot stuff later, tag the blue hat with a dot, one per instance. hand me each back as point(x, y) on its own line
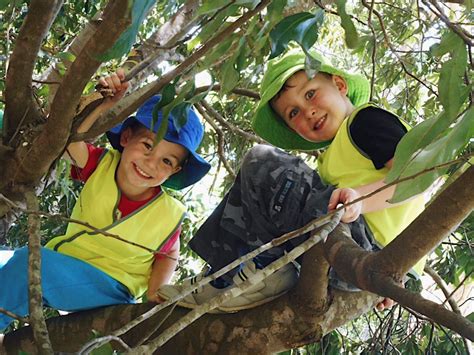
point(189, 136)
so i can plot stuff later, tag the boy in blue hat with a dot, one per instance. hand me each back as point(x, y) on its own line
point(122, 196)
point(275, 192)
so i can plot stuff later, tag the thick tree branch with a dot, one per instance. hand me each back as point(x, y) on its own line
point(437, 221)
point(34, 157)
point(20, 107)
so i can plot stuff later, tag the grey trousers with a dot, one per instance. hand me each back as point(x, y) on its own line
point(274, 193)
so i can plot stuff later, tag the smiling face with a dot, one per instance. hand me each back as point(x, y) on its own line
point(314, 108)
point(144, 166)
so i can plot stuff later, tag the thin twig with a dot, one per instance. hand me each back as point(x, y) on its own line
point(14, 316)
point(37, 321)
point(389, 44)
point(220, 139)
point(440, 14)
point(85, 224)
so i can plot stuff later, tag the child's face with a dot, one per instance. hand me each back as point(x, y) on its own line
point(314, 108)
point(142, 165)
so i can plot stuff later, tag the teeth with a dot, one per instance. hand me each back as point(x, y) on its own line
point(320, 122)
point(142, 172)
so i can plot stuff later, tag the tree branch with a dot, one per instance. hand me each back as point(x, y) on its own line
point(456, 29)
point(437, 221)
point(18, 91)
point(34, 158)
point(443, 287)
point(220, 139)
point(387, 287)
point(40, 331)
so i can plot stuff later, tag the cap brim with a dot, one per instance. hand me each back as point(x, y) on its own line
point(193, 171)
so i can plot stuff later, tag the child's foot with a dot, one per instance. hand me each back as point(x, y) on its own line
point(272, 287)
point(195, 298)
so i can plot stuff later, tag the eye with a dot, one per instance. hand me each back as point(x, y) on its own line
point(309, 94)
point(148, 146)
point(293, 113)
point(168, 162)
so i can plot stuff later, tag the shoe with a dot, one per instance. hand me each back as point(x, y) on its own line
point(275, 285)
point(197, 297)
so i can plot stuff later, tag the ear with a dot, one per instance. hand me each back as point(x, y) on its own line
point(341, 84)
point(177, 170)
point(125, 136)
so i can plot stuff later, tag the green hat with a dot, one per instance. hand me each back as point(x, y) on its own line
point(268, 125)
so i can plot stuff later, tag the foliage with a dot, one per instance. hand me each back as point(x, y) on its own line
point(419, 68)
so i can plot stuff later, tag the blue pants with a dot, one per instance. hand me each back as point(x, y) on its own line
point(68, 284)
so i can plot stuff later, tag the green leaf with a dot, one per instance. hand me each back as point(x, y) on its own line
point(311, 65)
point(449, 41)
point(437, 153)
point(167, 94)
point(163, 126)
point(180, 114)
point(208, 6)
point(275, 10)
point(139, 10)
point(4, 4)
point(417, 138)
point(352, 38)
point(208, 30)
point(66, 56)
point(218, 52)
point(202, 95)
point(302, 28)
point(229, 77)
point(452, 92)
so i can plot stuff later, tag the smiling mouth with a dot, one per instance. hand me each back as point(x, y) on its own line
point(320, 122)
point(141, 172)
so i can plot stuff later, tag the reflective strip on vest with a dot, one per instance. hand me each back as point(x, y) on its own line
point(149, 226)
point(343, 164)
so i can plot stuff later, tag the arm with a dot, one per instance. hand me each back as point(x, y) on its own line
point(373, 203)
point(77, 152)
point(162, 270)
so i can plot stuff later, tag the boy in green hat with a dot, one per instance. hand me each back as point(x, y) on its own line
point(276, 192)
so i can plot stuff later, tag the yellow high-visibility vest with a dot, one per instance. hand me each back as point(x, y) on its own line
point(149, 226)
point(343, 164)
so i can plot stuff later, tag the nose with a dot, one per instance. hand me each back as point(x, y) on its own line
point(310, 112)
point(151, 158)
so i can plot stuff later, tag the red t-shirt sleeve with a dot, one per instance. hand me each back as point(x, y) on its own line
point(165, 249)
point(94, 156)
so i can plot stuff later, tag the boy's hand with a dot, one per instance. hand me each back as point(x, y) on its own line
point(113, 88)
point(153, 297)
point(387, 303)
point(344, 196)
